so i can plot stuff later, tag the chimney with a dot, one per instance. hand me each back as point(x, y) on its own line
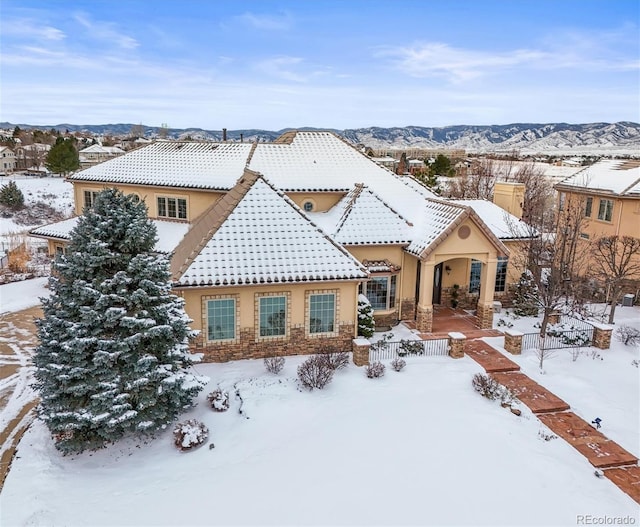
point(224, 134)
point(242, 138)
point(509, 196)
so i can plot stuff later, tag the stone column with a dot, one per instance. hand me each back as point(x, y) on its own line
point(424, 312)
point(360, 348)
point(456, 345)
point(513, 341)
point(485, 315)
point(602, 336)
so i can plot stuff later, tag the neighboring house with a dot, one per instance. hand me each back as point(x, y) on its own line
point(7, 160)
point(32, 157)
point(97, 154)
point(608, 192)
point(274, 241)
point(416, 165)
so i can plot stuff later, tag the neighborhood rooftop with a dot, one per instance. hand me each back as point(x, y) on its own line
point(615, 176)
point(264, 239)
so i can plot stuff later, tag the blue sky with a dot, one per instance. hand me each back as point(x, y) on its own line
point(328, 64)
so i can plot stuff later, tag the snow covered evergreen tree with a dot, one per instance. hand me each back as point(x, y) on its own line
point(114, 339)
point(525, 299)
point(366, 322)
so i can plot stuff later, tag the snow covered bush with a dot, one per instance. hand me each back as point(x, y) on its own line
point(113, 353)
point(525, 299)
point(375, 370)
point(628, 336)
point(411, 347)
point(190, 434)
point(336, 359)
point(11, 195)
point(315, 372)
point(274, 364)
point(218, 400)
point(398, 364)
point(366, 322)
point(486, 386)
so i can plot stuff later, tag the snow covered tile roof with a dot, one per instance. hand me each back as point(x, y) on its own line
point(265, 239)
point(174, 164)
point(612, 175)
point(169, 232)
point(365, 219)
point(501, 223)
point(437, 216)
point(314, 161)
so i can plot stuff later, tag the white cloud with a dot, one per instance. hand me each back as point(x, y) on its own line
point(106, 31)
point(573, 51)
point(279, 22)
point(284, 68)
point(30, 29)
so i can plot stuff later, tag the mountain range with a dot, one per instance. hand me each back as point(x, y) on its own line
point(621, 137)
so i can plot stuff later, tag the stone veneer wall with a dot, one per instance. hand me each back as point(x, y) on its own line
point(468, 300)
point(408, 308)
point(386, 319)
point(247, 347)
point(424, 319)
point(485, 315)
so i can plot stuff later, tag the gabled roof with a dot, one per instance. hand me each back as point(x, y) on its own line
point(619, 177)
point(99, 149)
point(363, 218)
point(441, 220)
point(174, 164)
point(256, 235)
point(503, 224)
point(169, 232)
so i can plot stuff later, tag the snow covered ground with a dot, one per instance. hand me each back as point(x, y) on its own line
point(53, 191)
point(417, 447)
point(17, 296)
point(596, 383)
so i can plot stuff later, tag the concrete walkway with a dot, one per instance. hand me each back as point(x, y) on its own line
point(618, 465)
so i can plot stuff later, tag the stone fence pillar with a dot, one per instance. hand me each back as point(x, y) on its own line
point(456, 345)
point(360, 348)
point(602, 336)
point(513, 341)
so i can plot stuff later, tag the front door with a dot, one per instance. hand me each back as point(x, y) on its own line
point(437, 283)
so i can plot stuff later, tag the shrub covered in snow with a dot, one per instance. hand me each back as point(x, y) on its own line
point(218, 400)
point(336, 359)
point(375, 369)
point(366, 323)
point(525, 299)
point(398, 364)
point(315, 372)
point(274, 364)
point(11, 195)
point(190, 434)
point(486, 386)
point(628, 335)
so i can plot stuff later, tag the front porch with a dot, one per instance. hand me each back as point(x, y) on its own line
point(446, 320)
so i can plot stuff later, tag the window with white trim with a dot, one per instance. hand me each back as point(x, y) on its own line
point(501, 274)
point(90, 198)
point(221, 319)
point(381, 292)
point(588, 206)
point(172, 208)
point(474, 276)
point(322, 312)
point(272, 312)
point(605, 210)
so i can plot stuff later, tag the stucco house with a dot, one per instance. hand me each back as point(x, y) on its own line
point(608, 192)
point(7, 160)
point(271, 243)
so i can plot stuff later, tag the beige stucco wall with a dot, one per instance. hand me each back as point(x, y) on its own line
point(197, 200)
point(322, 201)
point(246, 303)
point(476, 246)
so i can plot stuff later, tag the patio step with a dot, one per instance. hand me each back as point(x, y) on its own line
point(599, 450)
point(536, 397)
